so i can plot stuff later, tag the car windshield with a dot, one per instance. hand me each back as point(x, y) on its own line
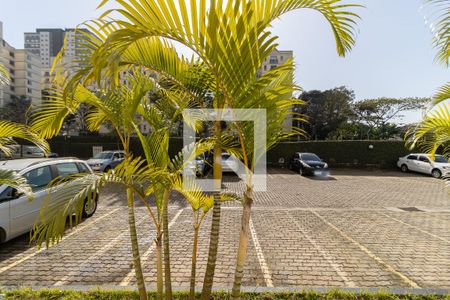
point(310, 157)
point(103, 155)
point(440, 159)
point(34, 150)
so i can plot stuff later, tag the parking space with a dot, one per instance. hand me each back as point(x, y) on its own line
point(355, 229)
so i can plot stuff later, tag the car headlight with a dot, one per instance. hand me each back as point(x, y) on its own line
point(325, 166)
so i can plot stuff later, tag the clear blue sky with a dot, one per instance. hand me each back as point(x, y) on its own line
point(393, 56)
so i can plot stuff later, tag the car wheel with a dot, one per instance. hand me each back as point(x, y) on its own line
point(436, 173)
point(89, 210)
point(404, 168)
point(107, 169)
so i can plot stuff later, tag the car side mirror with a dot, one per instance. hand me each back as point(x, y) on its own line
point(15, 194)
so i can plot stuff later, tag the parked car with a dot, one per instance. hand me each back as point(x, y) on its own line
point(308, 164)
point(229, 163)
point(203, 164)
point(25, 151)
point(423, 163)
point(106, 160)
point(17, 214)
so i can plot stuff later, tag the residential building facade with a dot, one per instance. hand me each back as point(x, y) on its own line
point(48, 42)
point(277, 58)
point(25, 71)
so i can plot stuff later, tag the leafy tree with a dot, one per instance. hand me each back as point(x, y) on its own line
point(17, 110)
point(325, 111)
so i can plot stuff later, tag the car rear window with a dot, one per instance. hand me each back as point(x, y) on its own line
point(67, 169)
point(412, 157)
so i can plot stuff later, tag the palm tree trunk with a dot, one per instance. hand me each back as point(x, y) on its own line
point(135, 246)
point(243, 243)
point(167, 272)
point(215, 225)
point(159, 265)
point(194, 263)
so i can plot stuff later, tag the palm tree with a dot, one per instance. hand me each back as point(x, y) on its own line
point(231, 39)
point(118, 107)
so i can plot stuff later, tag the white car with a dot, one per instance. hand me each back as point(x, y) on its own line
point(229, 163)
point(423, 163)
point(17, 214)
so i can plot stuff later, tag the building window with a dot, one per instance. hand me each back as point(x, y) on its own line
point(29, 74)
point(29, 90)
point(29, 66)
point(13, 89)
point(29, 82)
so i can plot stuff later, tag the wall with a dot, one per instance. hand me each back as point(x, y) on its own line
point(336, 153)
point(345, 153)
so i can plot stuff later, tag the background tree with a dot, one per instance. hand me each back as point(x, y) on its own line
point(325, 111)
point(17, 110)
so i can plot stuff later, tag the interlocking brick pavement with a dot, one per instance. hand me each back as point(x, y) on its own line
point(346, 231)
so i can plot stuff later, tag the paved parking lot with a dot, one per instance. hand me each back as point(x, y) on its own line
point(356, 229)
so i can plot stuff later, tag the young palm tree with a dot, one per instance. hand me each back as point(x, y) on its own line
point(118, 107)
point(231, 39)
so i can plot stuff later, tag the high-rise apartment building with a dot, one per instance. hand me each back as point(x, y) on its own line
point(275, 59)
point(24, 69)
point(48, 42)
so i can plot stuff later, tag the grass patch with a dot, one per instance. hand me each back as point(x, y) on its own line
point(55, 294)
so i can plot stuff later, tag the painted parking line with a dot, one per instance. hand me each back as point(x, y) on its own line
point(341, 273)
point(127, 280)
point(369, 253)
point(260, 254)
point(99, 254)
point(417, 228)
point(33, 252)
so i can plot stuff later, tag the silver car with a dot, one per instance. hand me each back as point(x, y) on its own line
point(106, 160)
point(17, 214)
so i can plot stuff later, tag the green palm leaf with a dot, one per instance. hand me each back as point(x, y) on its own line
point(442, 95)
point(4, 75)
point(16, 181)
point(432, 132)
point(10, 131)
point(441, 29)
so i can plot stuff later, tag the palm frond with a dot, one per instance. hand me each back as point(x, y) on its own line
point(16, 181)
point(4, 75)
point(10, 131)
point(442, 95)
point(441, 29)
point(432, 132)
point(65, 201)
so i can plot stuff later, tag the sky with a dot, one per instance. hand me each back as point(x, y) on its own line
point(393, 56)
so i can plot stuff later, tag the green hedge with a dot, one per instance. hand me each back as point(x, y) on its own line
point(128, 295)
point(337, 153)
point(384, 154)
